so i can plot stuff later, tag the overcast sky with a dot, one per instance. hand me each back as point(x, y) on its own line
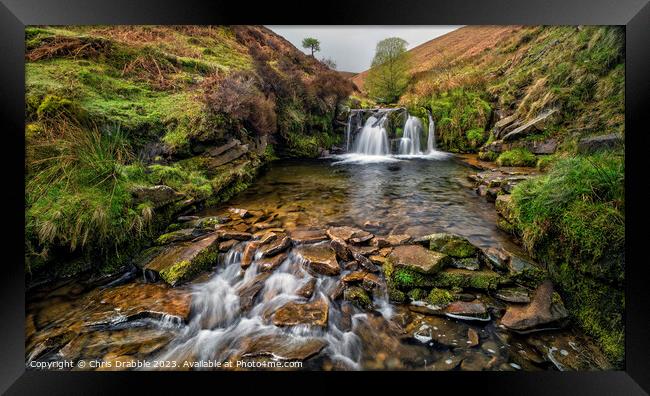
point(352, 47)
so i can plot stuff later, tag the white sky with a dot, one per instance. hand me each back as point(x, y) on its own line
point(352, 47)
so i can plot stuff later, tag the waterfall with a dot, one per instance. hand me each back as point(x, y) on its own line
point(373, 138)
point(431, 139)
point(409, 144)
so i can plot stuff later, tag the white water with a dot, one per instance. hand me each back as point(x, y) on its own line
point(409, 144)
point(218, 329)
point(373, 138)
point(431, 139)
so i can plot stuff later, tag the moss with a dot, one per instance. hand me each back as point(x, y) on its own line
point(452, 245)
point(417, 294)
point(54, 106)
point(480, 280)
point(405, 279)
point(187, 269)
point(517, 157)
point(439, 297)
point(358, 296)
point(488, 156)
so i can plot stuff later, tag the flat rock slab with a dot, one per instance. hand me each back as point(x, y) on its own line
point(182, 262)
point(467, 310)
point(268, 264)
point(294, 313)
point(284, 347)
point(347, 234)
point(545, 310)
point(319, 258)
point(308, 236)
point(513, 295)
point(419, 259)
point(279, 245)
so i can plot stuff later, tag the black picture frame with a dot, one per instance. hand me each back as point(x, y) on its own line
point(634, 14)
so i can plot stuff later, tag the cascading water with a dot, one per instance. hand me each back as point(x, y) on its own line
point(431, 139)
point(373, 138)
point(409, 144)
point(223, 326)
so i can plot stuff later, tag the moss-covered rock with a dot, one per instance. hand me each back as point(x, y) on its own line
point(450, 244)
point(359, 297)
point(439, 297)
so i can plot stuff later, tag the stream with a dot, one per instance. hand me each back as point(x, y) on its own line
point(230, 319)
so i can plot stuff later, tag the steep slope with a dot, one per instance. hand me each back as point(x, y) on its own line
point(128, 126)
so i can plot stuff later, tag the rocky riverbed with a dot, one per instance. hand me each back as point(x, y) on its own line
point(340, 267)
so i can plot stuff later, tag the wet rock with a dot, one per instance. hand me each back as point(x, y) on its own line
point(364, 250)
point(227, 245)
point(307, 290)
point(186, 234)
point(377, 259)
point(368, 279)
point(284, 347)
point(249, 290)
point(385, 251)
point(450, 244)
point(320, 258)
point(365, 262)
point(567, 352)
point(418, 259)
point(268, 264)
point(266, 225)
point(183, 219)
point(275, 247)
point(341, 248)
point(249, 254)
point(119, 342)
point(538, 124)
point(359, 297)
point(229, 233)
point(603, 142)
point(517, 295)
point(308, 236)
point(472, 337)
point(469, 263)
point(438, 329)
point(266, 237)
point(467, 311)
point(241, 227)
point(545, 310)
point(346, 234)
point(476, 362)
point(160, 195)
point(294, 313)
point(362, 238)
point(180, 263)
point(495, 258)
point(239, 213)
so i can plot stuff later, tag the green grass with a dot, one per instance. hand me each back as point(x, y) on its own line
point(517, 157)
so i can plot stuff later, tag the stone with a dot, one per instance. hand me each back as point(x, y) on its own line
point(346, 233)
point(377, 259)
point(182, 235)
point(216, 151)
point(319, 258)
point(495, 258)
point(248, 254)
point(267, 237)
point(341, 248)
point(284, 347)
point(505, 206)
point(266, 225)
point(476, 362)
point(182, 262)
point(249, 290)
point(275, 247)
point(229, 233)
point(159, 195)
point(467, 311)
point(472, 337)
point(544, 311)
point(308, 236)
point(452, 245)
point(516, 295)
point(239, 213)
point(469, 263)
point(227, 245)
point(419, 259)
point(362, 238)
point(228, 156)
point(307, 290)
point(359, 297)
point(295, 313)
point(604, 142)
point(538, 124)
point(502, 123)
point(365, 262)
point(268, 264)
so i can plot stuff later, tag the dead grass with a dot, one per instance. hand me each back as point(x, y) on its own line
point(71, 47)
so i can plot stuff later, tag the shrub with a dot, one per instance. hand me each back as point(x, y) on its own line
point(516, 157)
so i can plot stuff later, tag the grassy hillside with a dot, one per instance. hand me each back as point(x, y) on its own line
point(113, 111)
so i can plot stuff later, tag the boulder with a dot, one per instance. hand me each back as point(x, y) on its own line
point(419, 259)
point(451, 245)
point(359, 297)
point(182, 262)
point(538, 124)
point(467, 311)
point(603, 142)
point(544, 311)
point(296, 313)
point(248, 255)
point(307, 290)
point(319, 258)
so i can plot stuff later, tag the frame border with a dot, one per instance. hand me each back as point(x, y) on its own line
point(634, 14)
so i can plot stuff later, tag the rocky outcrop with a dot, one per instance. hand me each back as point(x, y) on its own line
point(536, 125)
point(159, 195)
